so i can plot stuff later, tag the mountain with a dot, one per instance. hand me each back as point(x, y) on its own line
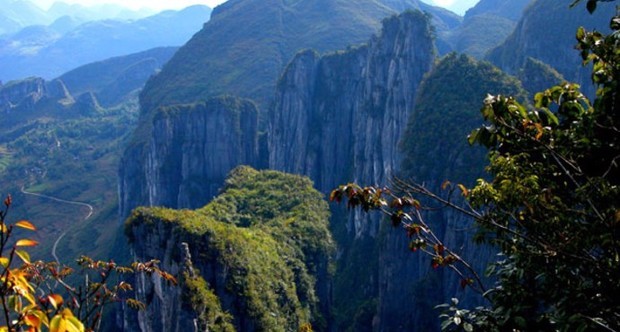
point(510, 9)
point(115, 79)
point(273, 31)
point(548, 22)
point(485, 26)
point(435, 149)
point(224, 58)
point(258, 256)
point(95, 13)
point(23, 12)
point(50, 53)
point(338, 118)
point(18, 14)
point(327, 110)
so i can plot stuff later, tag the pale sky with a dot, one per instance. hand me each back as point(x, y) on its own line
point(136, 4)
point(178, 4)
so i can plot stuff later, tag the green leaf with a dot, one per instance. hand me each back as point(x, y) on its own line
point(554, 119)
point(23, 255)
point(581, 33)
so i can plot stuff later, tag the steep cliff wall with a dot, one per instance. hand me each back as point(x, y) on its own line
point(262, 247)
point(339, 118)
point(191, 149)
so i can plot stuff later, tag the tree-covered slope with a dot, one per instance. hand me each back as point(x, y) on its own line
point(262, 247)
point(447, 109)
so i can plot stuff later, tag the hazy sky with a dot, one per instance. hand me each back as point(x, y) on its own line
point(135, 4)
point(456, 5)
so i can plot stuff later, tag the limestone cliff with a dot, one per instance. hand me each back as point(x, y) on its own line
point(339, 118)
point(191, 149)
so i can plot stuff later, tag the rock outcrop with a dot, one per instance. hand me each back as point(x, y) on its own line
point(340, 117)
point(192, 148)
point(31, 98)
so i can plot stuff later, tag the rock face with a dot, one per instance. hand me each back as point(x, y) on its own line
point(339, 118)
point(485, 26)
point(191, 150)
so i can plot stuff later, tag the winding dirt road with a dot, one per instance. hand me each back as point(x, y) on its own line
point(91, 210)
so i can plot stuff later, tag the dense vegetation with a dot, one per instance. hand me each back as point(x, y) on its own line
point(446, 111)
point(550, 207)
point(269, 230)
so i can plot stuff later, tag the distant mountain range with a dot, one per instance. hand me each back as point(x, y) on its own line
point(18, 14)
point(49, 50)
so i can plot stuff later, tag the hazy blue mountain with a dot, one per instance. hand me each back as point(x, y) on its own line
point(24, 12)
point(546, 23)
point(93, 13)
point(485, 26)
point(47, 52)
point(510, 9)
point(18, 14)
point(117, 79)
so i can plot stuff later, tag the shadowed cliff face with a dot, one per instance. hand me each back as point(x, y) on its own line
point(191, 150)
point(339, 118)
